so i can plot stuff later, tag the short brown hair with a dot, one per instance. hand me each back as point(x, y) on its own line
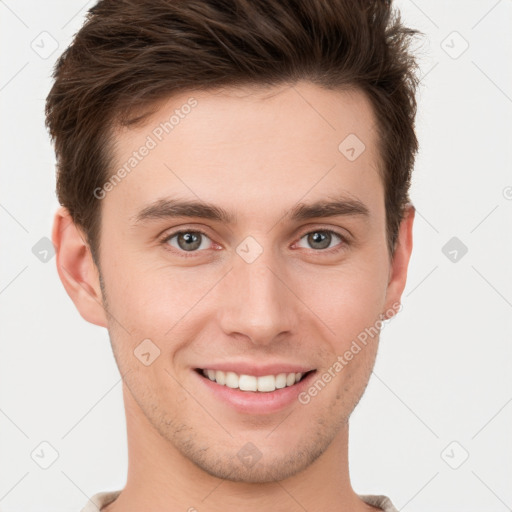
point(131, 53)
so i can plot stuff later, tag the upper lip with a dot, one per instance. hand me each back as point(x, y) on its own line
point(258, 370)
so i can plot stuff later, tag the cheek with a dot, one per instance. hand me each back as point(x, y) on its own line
point(149, 300)
point(347, 301)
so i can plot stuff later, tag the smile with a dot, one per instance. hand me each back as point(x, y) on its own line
point(264, 384)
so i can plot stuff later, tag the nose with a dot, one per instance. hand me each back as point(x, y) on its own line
point(258, 300)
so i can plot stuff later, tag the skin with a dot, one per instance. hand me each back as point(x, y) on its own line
point(255, 153)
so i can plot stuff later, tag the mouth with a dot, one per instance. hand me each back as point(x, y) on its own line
point(252, 383)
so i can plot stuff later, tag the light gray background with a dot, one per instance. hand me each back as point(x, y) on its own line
point(442, 386)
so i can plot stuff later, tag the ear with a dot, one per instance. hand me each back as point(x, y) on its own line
point(400, 260)
point(76, 268)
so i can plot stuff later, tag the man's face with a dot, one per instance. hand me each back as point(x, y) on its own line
point(264, 294)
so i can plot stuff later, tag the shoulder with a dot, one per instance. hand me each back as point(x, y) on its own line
point(379, 501)
point(100, 500)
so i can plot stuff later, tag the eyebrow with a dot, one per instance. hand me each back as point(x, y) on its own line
point(168, 208)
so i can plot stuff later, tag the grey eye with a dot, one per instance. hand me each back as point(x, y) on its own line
point(320, 239)
point(188, 240)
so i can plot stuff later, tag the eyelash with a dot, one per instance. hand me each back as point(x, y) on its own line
point(333, 250)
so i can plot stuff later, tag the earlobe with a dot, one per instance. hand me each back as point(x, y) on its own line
point(76, 268)
point(400, 261)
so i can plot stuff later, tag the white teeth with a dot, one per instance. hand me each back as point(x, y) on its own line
point(232, 380)
point(267, 383)
point(264, 384)
point(220, 377)
point(281, 380)
point(248, 383)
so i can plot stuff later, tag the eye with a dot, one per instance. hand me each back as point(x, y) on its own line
point(321, 239)
point(187, 240)
point(192, 241)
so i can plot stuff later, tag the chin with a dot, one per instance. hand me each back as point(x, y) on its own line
point(253, 463)
point(271, 471)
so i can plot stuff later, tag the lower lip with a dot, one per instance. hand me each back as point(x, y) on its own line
point(254, 402)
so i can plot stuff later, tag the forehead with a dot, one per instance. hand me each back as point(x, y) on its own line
point(249, 146)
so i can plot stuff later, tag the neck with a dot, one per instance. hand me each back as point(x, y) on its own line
point(161, 479)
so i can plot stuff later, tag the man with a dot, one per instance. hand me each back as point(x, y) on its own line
point(234, 186)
